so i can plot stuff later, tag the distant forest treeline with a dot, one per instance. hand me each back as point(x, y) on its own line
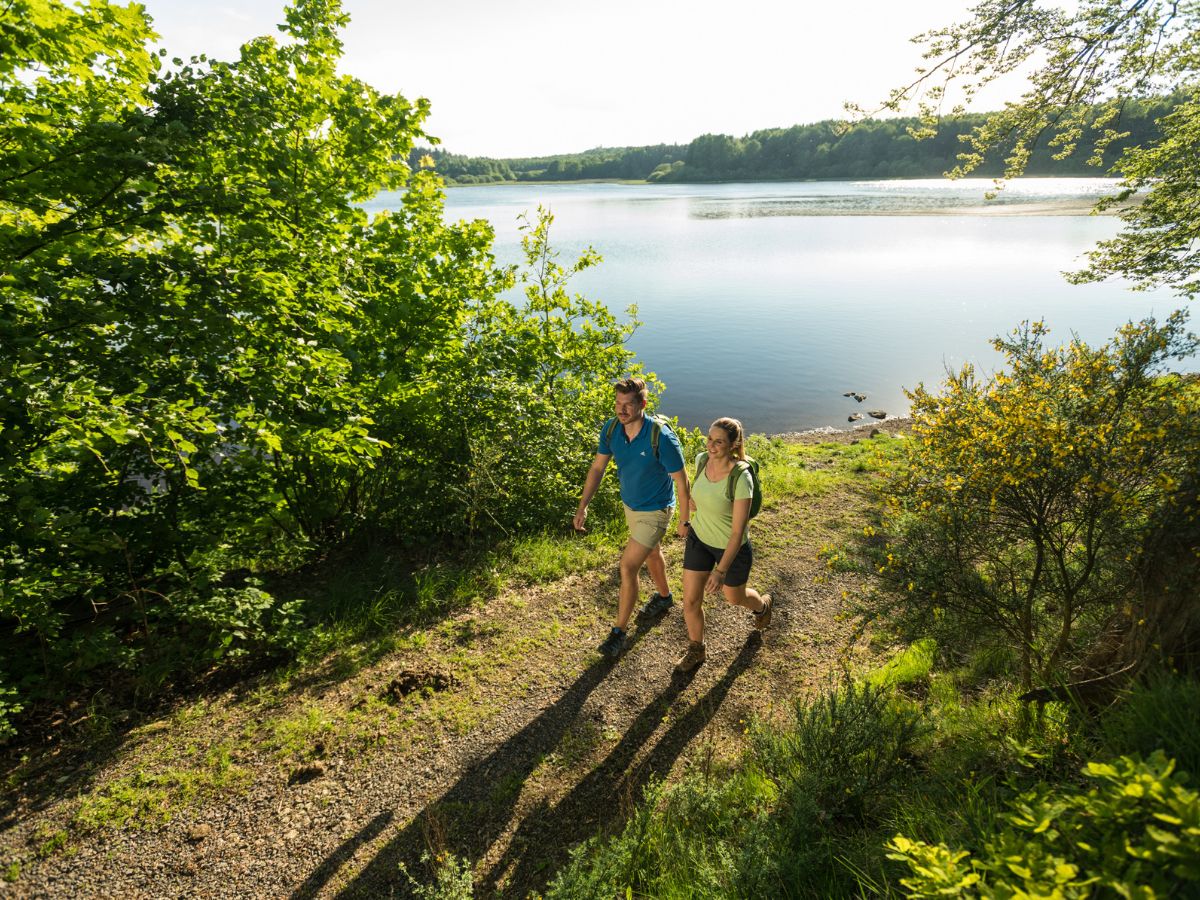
point(875, 148)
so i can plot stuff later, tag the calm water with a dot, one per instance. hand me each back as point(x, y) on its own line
point(768, 301)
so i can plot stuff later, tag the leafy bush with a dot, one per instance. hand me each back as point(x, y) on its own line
point(237, 621)
point(1028, 497)
point(1136, 833)
point(9, 709)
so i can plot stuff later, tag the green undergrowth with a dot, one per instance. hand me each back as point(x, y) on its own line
point(914, 781)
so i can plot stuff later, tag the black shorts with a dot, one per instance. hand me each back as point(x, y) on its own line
point(699, 557)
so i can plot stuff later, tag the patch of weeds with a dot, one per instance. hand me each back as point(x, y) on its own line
point(99, 723)
point(11, 872)
point(452, 878)
point(417, 640)
point(50, 841)
point(469, 630)
point(963, 808)
point(989, 663)
point(136, 801)
point(506, 789)
point(1157, 715)
point(692, 838)
point(578, 742)
point(367, 727)
point(193, 713)
point(547, 557)
point(836, 559)
point(301, 737)
point(151, 798)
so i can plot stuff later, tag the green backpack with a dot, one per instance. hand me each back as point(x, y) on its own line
point(657, 424)
point(749, 464)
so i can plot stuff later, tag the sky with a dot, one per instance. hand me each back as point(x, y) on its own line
point(513, 78)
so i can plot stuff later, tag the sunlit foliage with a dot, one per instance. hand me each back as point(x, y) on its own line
point(1028, 496)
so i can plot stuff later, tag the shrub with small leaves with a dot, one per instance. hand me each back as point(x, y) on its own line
point(1135, 832)
point(452, 879)
point(846, 749)
point(1028, 497)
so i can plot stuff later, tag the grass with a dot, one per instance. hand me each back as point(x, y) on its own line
point(792, 836)
point(910, 666)
point(148, 798)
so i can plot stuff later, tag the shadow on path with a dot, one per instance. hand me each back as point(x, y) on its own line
point(605, 797)
point(472, 813)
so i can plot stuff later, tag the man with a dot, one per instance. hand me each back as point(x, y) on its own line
point(646, 475)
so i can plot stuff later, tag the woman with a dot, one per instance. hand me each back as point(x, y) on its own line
point(717, 553)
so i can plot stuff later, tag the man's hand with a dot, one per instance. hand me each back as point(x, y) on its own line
point(579, 520)
point(682, 528)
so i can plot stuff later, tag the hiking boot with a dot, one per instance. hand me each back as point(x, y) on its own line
point(614, 645)
point(762, 618)
point(655, 606)
point(692, 659)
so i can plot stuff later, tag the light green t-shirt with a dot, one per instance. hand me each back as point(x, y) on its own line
point(713, 521)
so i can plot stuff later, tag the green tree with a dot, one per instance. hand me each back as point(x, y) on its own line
point(214, 359)
point(1088, 65)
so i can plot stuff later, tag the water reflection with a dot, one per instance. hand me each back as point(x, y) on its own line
point(769, 301)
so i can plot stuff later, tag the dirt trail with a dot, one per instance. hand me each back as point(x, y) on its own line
point(545, 745)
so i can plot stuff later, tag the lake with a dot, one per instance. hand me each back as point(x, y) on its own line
point(769, 301)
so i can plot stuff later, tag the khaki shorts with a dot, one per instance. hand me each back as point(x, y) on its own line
point(648, 528)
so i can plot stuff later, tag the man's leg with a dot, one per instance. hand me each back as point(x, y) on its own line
point(656, 564)
point(632, 558)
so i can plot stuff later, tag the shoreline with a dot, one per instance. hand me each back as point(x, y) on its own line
point(1003, 205)
point(828, 434)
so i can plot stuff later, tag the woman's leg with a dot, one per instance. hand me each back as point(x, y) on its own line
point(693, 606)
point(744, 596)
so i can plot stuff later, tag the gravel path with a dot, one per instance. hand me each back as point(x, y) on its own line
point(534, 753)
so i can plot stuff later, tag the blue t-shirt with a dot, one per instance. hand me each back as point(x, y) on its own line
point(645, 481)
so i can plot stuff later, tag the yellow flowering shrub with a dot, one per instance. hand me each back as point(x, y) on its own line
point(1026, 498)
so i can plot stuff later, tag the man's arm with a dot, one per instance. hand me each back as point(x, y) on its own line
point(590, 485)
point(683, 495)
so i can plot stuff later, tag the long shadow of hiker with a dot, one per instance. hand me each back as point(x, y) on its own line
point(602, 799)
point(472, 813)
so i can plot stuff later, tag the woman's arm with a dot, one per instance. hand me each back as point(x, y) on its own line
point(741, 515)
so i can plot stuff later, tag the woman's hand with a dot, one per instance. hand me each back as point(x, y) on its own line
point(716, 578)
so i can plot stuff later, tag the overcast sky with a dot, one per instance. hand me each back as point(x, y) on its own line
point(536, 77)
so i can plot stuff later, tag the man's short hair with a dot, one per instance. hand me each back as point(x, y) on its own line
point(632, 386)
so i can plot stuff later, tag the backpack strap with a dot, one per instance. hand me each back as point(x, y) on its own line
point(609, 428)
point(739, 466)
point(701, 462)
point(657, 423)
